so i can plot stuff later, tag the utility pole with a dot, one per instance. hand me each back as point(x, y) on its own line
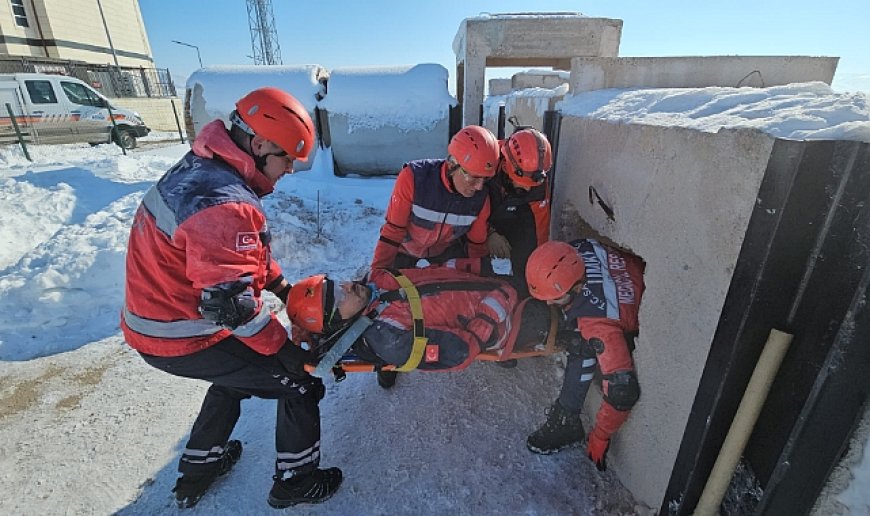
point(264, 36)
point(108, 36)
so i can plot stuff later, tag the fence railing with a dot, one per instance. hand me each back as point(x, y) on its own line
point(111, 81)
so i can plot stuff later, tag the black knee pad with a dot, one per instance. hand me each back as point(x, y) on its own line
point(623, 390)
point(597, 345)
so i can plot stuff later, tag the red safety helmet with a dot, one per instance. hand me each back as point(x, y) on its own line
point(309, 304)
point(475, 149)
point(528, 156)
point(277, 116)
point(553, 269)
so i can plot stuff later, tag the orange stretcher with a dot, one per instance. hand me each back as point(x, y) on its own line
point(338, 360)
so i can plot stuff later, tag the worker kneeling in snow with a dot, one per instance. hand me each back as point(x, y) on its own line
point(381, 321)
point(598, 290)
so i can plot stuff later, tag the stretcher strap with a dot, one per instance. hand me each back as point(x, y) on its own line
point(443, 286)
point(420, 340)
point(333, 356)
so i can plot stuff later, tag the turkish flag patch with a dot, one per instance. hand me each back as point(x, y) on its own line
point(246, 241)
point(431, 353)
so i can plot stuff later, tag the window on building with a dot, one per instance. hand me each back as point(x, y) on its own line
point(79, 94)
point(40, 92)
point(19, 13)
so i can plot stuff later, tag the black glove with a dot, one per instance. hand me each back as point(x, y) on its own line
point(293, 359)
point(283, 293)
point(228, 304)
point(274, 287)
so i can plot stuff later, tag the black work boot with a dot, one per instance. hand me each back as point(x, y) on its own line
point(387, 379)
point(315, 487)
point(563, 429)
point(190, 488)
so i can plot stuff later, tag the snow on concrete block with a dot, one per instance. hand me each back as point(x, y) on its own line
point(212, 91)
point(380, 118)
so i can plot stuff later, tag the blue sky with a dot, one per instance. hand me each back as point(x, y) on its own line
point(336, 33)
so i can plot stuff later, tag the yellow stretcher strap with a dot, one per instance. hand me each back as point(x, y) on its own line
point(420, 340)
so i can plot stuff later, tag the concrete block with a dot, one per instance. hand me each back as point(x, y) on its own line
point(681, 200)
point(539, 79)
point(595, 73)
point(525, 39)
point(500, 86)
point(374, 134)
point(385, 149)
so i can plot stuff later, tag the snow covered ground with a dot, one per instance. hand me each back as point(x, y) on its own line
point(86, 427)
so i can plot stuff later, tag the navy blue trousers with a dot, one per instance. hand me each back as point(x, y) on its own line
point(237, 372)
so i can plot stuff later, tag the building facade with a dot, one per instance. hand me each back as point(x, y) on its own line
point(102, 32)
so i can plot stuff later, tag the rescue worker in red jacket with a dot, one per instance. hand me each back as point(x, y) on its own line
point(439, 209)
point(599, 290)
point(465, 314)
point(198, 260)
point(520, 198)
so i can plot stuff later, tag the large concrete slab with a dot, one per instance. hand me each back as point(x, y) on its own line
point(681, 199)
point(595, 73)
point(525, 39)
point(383, 150)
point(527, 107)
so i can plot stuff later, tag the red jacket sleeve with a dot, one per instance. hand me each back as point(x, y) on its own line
point(616, 357)
point(223, 244)
point(541, 213)
point(478, 232)
point(395, 227)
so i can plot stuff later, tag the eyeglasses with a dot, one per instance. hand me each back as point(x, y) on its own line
point(472, 179)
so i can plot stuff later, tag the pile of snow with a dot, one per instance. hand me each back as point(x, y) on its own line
point(408, 98)
point(803, 111)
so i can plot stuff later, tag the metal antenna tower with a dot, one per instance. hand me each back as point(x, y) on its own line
point(264, 36)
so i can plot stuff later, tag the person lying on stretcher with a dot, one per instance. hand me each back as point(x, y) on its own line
point(435, 318)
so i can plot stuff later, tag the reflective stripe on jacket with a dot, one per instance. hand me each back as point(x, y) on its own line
point(426, 215)
point(201, 225)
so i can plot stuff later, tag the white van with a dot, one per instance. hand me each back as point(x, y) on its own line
point(61, 109)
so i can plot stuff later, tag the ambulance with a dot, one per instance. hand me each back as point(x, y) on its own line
point(59, 109)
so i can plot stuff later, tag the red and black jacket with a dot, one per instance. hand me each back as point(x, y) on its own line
point(606, 310)
point(201, 225)
point(509, 203)
point(426, 215)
